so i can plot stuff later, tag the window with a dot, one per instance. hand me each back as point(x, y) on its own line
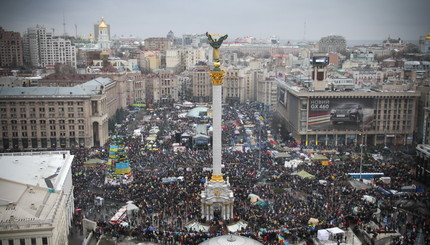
point(51, 103)
point(70, 109)
point(81, 127)
point(42, 109)
point(33, 241)
point(42, 115)
point(43, 134)
point(51, 109)
point(81, 133)
point(34, 134)
point(51, 121)
point(24, 127)
point(24, 134)
point(60, 103)
point(52, 127)
point(23, 122)
point(80, 121)
point(71, 121)
point(44, 241)
point(53, 134)
point(21, 241)
point(42, 122)
point(71, 115)
point(21, 109)
point(41, 103)
point(23, 115)
point(62, 127)
point(61, 121)
point(32, 121)
point(14, 134)
point(72, 133)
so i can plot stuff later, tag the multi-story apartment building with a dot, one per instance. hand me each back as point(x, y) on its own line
point(41, 49)
point(157, 43)
point(200, 84)
point(39, 193)
point(166, 90)
point(11, 53)
point(266, 92)
point(234, 86)
point(367, 76)
point(187, 58)
point(149, 60)
point(60, 117)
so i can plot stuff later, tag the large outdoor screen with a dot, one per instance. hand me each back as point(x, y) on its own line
point(340, 114)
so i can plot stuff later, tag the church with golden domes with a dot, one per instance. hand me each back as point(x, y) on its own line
point(103, 35)
point(425, 43)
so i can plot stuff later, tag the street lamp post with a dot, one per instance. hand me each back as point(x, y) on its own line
point(361, 161)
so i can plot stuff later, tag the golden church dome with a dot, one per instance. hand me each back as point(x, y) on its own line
point(102, 24)
point(428, 36)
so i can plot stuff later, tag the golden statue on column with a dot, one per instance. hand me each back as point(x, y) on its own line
point(216, 74)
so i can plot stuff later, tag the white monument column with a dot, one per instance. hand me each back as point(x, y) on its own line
point(217, 131)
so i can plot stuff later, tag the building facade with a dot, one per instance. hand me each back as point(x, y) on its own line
point(157, 44)
point(200, 84)
point(42, 49)
point(60, 117)
point(41, 207)
point(347, 117)
point(11, 53)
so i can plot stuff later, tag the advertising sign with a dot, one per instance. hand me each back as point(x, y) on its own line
point(340, 114)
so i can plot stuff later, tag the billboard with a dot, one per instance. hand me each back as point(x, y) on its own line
point(340, 114)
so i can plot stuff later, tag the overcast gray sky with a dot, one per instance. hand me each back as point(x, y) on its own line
point(353, 19)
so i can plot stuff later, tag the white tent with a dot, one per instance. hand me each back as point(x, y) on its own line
point(329, 234)
point(323, 235)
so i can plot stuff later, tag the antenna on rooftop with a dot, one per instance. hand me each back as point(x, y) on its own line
point(64, 26)
point(304, 32)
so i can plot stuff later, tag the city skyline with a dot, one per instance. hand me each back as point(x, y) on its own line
point(288, 20)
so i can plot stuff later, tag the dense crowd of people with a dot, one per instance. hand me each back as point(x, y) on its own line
point(166, 207)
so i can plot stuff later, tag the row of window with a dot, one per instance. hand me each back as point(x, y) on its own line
point(43, 134)
point(23, 241)
point(42, 115)
point(42, 109)
point(42, 127)
point(70, 121)
point(42, 103)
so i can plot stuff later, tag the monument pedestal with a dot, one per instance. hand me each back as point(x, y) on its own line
point(217, 201)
